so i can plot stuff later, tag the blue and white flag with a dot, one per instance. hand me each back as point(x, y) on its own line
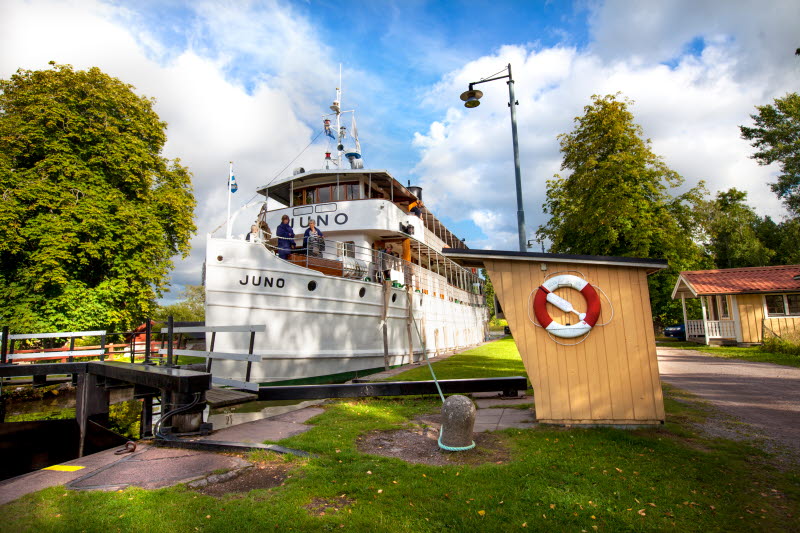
point(328, 132)
point(232, 182)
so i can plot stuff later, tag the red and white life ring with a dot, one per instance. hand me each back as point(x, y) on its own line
point(586, 320)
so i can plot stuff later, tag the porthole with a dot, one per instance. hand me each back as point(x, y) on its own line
point(394, 298)
point(312, 285)
point(219, 258)
point(362, 292)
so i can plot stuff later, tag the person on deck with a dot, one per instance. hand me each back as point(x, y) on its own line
point(387, 261)
point(312, 240)
point(253, 235)
point(285, 235)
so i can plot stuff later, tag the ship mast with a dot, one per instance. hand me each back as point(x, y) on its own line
point(341, 132)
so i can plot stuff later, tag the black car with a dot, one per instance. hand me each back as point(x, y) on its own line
point(678, 332)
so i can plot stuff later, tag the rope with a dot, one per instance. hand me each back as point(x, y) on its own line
point(129, 447)
point(441, 395)
point(295, 159)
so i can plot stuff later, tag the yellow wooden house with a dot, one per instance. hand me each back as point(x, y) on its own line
point(740, 305)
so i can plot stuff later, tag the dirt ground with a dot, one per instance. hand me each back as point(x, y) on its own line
point(260, 476)
point(757, 402)
point(419, 444)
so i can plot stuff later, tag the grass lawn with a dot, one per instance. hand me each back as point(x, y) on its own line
point(753, 353)
point(580, 480)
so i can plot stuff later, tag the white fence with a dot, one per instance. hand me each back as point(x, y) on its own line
point(717, 329)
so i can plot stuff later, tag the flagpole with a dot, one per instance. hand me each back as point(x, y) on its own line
point(228, 224)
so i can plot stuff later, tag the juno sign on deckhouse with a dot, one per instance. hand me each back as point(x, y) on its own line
point(584, 329)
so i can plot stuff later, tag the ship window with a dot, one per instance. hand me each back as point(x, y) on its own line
point(325, 208)
point(324, 194)
point(362, 292)
point(394, 298)
point(338, 192)
point(298, 197)
point(352, 191)
point(297, 211)
point(312, 285)
point(309, 196)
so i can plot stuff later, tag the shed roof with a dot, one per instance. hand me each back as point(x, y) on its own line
point(751, 280)
point(475, 258)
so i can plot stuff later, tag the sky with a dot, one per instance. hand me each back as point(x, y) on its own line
point(248, 82)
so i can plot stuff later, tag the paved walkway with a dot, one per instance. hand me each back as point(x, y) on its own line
point(763, 396)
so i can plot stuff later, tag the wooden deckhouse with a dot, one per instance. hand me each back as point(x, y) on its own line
point(740, 305)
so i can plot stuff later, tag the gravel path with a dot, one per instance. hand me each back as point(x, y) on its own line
point(763, 398)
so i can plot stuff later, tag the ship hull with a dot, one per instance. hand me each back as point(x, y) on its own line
point(319, 325)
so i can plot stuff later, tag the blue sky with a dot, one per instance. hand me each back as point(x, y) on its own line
point(248, 81)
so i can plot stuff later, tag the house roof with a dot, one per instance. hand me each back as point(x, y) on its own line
point(772, 279)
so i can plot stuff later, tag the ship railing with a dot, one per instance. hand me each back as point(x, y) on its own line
point(442, 278)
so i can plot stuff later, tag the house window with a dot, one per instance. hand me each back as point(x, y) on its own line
point(717, 308)
point(782, 304)
point(793, 300)
point(724, 313)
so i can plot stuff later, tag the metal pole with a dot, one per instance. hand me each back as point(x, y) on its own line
point(512, 104)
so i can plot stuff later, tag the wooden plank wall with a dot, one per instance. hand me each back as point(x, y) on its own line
point(751, 313)
point(609, 378)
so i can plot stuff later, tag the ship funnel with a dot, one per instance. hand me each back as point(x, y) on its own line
point(416, 191)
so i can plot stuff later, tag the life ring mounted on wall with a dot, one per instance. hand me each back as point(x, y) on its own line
point(545, 294)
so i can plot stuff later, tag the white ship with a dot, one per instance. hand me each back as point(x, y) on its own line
point(340, 304)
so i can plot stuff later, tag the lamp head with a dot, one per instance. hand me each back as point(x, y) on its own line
point(471, 98)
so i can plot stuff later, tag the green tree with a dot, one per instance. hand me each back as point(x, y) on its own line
point(191, 307)
point(616, 201)
point(91, 212)
point(733, 232)
point(776, 136)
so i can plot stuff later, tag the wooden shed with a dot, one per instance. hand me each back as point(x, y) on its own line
point(608, 376)
point(741, 305)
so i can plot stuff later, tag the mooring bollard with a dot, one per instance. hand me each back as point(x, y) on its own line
point(458, 420)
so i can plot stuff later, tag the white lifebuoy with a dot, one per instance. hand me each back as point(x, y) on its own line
point(586, 320)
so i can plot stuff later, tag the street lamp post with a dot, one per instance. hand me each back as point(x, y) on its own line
point(471, 99)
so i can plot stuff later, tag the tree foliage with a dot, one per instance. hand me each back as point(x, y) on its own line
point(776, 136)
point(616, 200)
point(733, 232)
point(91, 212)
point(190, 308)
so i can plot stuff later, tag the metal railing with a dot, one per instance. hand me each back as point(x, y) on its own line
point(439, 276)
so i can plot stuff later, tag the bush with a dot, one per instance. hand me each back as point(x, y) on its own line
point(788, 344)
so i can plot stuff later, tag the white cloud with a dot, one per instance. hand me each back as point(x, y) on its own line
point(212, 118)
point(691, 111)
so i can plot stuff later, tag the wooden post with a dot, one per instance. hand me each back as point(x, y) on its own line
point(685, 320)
point(147, 340)
point(4, 347)
point(705, 319)
point(92, 399)
point(384, 319)
point(169, 340)
point(409, 322)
